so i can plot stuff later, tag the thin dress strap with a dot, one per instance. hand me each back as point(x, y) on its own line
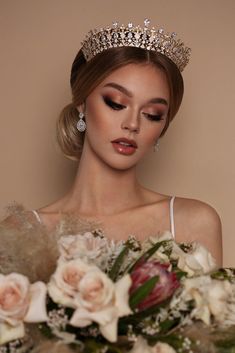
point(172, 222)
point(37, 216)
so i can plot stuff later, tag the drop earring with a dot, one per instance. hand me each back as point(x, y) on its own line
point(156, 146)
point(81, 125)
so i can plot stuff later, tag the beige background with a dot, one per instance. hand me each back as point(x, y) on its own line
point(38, 41)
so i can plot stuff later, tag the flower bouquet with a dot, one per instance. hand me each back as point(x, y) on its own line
point(113, 297)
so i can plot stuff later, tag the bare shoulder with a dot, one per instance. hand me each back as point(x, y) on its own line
point(198, 221)
point(197, 213)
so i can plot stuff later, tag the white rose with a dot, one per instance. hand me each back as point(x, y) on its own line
point(212, 297)
point(198, 261)
point(63, 286)
point(96, 290)
point(102, 301)
point(141, 346)
point(218, 299)
point(20, 301)
point(85, 245)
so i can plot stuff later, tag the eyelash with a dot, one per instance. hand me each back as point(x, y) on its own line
point(116, 106)
point(113, 105)
point(154, 117)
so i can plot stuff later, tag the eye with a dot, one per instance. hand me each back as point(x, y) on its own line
point(112, 104)
point(152, 117)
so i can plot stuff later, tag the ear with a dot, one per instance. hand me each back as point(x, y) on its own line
point(81, 108)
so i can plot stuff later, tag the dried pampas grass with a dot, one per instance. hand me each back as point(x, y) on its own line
point(27, 247)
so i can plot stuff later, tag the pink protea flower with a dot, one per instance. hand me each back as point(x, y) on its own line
point(163, 289)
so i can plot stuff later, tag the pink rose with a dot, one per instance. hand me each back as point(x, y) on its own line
point(163, 289)
point(14, 298)
point(20, 301)
point(92, 294)
point(64, 283)
point(103, 301)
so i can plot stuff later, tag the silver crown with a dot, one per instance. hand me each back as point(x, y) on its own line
point(147, 38)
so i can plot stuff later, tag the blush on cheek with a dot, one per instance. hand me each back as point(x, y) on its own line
point(98, 116)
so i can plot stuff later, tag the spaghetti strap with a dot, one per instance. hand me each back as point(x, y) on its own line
point(37, 216)
point(172, 222)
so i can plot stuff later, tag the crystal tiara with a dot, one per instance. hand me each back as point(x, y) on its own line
point(147, 38)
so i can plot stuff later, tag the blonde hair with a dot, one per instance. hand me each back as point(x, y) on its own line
point(86, 76)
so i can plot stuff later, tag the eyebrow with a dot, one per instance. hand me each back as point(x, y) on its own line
point(129, 94)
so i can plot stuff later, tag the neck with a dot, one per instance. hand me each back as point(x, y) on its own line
point(102, 190)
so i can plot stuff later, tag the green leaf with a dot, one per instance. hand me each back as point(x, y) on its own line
point(180, 274)
point(113, 273)
point(143, 258)
point(134, 319)
point(168, 324)
point(174, 340)
point(142, 292)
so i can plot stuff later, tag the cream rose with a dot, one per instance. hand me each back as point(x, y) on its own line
point(212, 297)
point(141, 346)
point(20, 301)
point(14, 298)
point(102, 301)
point(85, 246)
point(63, 286)
point(96, 290)
point(197, 262)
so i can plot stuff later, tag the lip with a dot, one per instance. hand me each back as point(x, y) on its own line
point(124, 149)
point(125, 140)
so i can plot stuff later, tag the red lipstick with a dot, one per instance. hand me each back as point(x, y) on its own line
point(124, 146)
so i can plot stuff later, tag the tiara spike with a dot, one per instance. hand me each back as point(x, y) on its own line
point(147, 38)
point(146, 22)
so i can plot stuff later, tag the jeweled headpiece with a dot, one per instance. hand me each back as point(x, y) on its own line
point(147, 38)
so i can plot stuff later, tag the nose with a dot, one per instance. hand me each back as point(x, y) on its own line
point(131, 123)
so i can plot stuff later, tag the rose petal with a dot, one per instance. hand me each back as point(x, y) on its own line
point(103, 317)
point(37, 306)
point(109, 331)
point(58, 296)
point(107, 320)
point(80, 318)
point(9, 333)
point(122, 287)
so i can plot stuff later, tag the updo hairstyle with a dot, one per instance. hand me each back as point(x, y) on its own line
point(86, 76)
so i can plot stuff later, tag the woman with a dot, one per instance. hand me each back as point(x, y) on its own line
point(126, 89)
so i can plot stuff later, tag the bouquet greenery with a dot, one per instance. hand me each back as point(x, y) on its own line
point(104, 296)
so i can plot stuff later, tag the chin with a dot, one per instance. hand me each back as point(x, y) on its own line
point(123, 164)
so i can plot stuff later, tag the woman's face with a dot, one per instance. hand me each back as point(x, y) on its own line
point(126, 114)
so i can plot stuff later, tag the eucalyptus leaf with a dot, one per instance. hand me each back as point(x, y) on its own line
point(113, 273)
point(145, 256)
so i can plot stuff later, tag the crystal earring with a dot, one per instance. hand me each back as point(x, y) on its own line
point(81, 125)
point(156, 146)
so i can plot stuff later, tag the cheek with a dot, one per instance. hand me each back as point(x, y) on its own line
point(153, 134)
point(95, 116)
